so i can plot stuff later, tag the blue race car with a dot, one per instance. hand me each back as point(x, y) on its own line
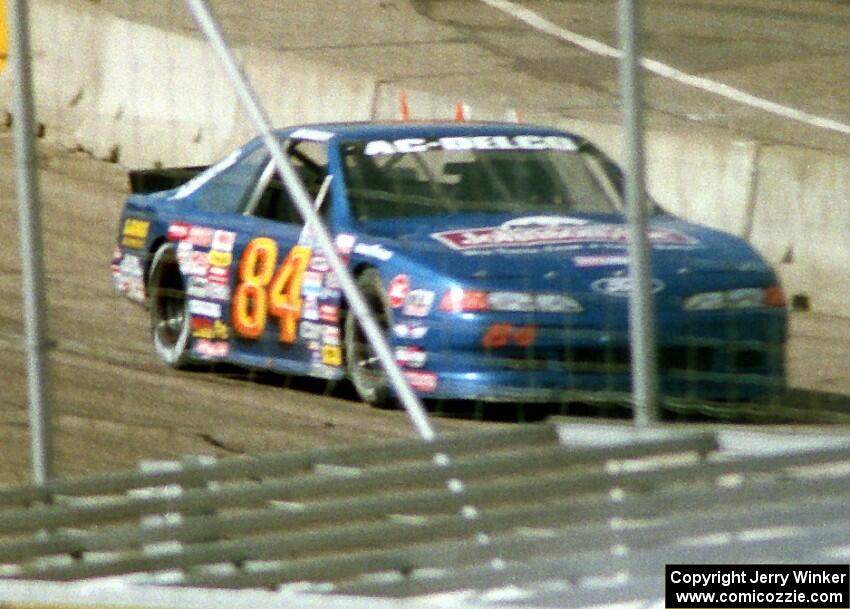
point(494, 256)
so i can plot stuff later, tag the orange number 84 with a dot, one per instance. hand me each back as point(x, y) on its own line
point(261, 291)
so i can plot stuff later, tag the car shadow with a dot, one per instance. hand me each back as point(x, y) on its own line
point(795, 406)
point(820, 401)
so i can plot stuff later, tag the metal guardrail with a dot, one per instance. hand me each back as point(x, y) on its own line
point(390, 520)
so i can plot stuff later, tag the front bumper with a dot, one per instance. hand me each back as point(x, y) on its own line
point(719, 356)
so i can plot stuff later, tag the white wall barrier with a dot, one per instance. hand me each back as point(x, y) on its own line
point(802, 219)
point(792, 204)
point(143, 96)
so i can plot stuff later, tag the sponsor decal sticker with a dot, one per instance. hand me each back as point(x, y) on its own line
point(223, 240)
point(621, 286)
point(375, 250)
point(204, 308)
point(425, 382)
point(411, 357)
point(411, 331)
point(194, 263)
point(211, 329)
point(134, 233)
point(418, 303)
point(218, 291)
point(314, 135)
point(398, 290)
point(211, 348)
point(330, 335)
point(200, 236)
point(329, 295)
point(183, 252)
point(218, 258)
point(197, 287)
point(136, 290)
point(310, 330)
point(218, 274)
point(177, 231)
point(312, 282)
point(502, 334)
point(310, 308)
point(344, 244)
point(538, 221)
point(332, 281)
point(319, 264)
point(127, 277)
point(329, 313)
point(331, 356)
point(602, 260)
point(475, 142)
point(131, 266)
point(511, 234)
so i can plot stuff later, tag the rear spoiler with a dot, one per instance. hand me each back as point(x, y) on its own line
point(143, 181)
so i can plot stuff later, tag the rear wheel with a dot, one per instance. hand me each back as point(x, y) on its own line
point(365, 371)
point(170, 324)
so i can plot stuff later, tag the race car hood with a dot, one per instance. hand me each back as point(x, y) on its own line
point(545, 251)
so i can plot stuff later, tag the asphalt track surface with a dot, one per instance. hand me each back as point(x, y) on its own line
point(115, 403)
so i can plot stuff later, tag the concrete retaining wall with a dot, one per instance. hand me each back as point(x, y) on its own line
point(136, 94)
point(142, 96)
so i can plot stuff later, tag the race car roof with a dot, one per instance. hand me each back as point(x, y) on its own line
point(396, 130)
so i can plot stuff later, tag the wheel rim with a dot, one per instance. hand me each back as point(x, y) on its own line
point(367, 369)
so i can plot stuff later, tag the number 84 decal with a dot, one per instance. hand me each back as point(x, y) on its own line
point(261, 291)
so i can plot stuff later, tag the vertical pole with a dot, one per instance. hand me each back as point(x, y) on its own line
point(32, 269)
point(641, 310)
point(359, 307)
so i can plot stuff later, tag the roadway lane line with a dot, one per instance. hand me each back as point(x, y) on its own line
point(661, 69)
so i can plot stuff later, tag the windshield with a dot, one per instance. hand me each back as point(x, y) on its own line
point(482, 174)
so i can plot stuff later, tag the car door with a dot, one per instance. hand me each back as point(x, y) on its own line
point(284, 305)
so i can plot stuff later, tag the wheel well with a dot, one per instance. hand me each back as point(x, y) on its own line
point(158, 243)
point(343, 301)
point(355, 272)
point(149, 257)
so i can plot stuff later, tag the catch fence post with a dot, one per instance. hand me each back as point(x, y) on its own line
point(644, 363)
point(32, 250)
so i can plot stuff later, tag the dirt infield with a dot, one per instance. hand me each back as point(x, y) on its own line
point(115, 403)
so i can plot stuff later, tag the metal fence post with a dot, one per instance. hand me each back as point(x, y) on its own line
point(304, 205)
point(641, 309)
point(32, 251)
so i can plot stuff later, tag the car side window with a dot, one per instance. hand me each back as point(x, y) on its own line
point(271, 199)
point(274, 203)
point(229, 191)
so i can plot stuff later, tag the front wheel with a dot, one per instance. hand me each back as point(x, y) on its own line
point(363, 367)
point(170, 325)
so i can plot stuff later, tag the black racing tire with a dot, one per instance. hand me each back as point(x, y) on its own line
point(364, 370)
point(170, 319)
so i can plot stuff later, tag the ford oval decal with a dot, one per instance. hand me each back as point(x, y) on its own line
point(621, 286)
